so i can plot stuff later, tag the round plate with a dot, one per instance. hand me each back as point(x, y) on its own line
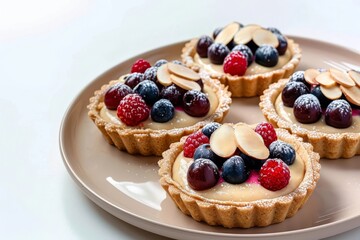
point(127, 186)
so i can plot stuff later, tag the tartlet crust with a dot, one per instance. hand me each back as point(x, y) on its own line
point(149, 142)
point(328, 145)
point(246, 86)
point(231, 214)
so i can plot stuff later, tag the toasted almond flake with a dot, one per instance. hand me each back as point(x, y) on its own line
point(249, 142)
point(185, 84)
point(352, 94)
point(245, 34)
point(325, 79)
point(263, 36)
point(333, 92)
point(163, 75)
point(341, 78)
point(228, 33)
point(355, 76)
point(310, 75)
point(183, 71)
point(222, 141)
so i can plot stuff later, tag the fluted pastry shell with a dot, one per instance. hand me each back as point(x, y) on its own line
point(145, 141)
point(231, 214)
point(246, 86)
point(328, 145)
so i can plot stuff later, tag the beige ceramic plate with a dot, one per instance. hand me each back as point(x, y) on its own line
point(127, 186)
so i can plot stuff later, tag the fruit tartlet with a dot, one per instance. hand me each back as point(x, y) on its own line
point(143, 112)
point(240, 176)
point(246, 58)
point(321, 106)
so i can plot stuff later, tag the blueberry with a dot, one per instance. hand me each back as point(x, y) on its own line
point(274, 30)
point(133, 79)
point(299, 76)
point(217, 53)
point(283, 151)
point(292, 91)
point(202, 45)
point(162, 111)
point(150, 74)
point(283, 44)
point(252, 163)
point(217, 31)
point(177, 62)
point(246, 51)
point(307, 109)
point(172, 93)
point(148, 91)
point(324, 101)
point(234, 170)
point(204, 151)
point(160, 62)
point(339, 114)
point(209, 128)
point(267, 56)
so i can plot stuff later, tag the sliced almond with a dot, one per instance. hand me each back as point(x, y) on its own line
point(325, 79)
point(228, 33)
point(310, 75)
point(245, 34)
point(222, 141)
point(341, 78)
point(355, 76)
point(333, 92)
point(352, 94)
point(163, 75)
point(183, 71)
point(263, 36)
point(249, 142)
point(185, 84)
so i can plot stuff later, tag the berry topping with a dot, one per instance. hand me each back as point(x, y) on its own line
point(217, 53)
point(202, 174)
point(274, 175)
point(283, 44)
point(324, 101)
point(173, 93)
point(162, 111)
point(283, 151)
point(292, 91)
point(132, 110)
point(252, 163)
point(217, 31)
point(148, 91)
point(202, 45)
point(196, 103)
point(140, 66)
point(115, 94)
point(193, 141)
point(150, 74)
point(267, 132)
point(246, 51)
point(209, 128)
point(234, 170)
point(274, 30)
point(204, 151)
point(160, 62)
point(235, 64)
point(339, 114)
point(307, 109)
point(267, 56)
point(134, 79)
point(177, 62)
point(299, 76)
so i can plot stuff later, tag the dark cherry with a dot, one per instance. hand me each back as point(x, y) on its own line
point(246, 51)
point(283, 44)
point(217, 31)
point(202, 45)
point(292, 91)
point(324, 101)
point(307, 109)
point(173, 94)
point(338, 114)
point(274, 30)
point(115, 94)
point(196, 103)
point(299, 76)
point(134, 79)
point(202, 174)
point(217, 53)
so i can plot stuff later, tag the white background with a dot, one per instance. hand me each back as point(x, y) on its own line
point(49, 51)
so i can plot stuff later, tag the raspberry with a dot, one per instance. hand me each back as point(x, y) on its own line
point(235, 63)
point(267, 132)
point(193, 141)
point(140, 66)
point(274, 174)
point(132, 110)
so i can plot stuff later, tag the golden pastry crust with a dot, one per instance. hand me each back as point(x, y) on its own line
point(242, 214)
point(148, 142)
point(246, 86)
point(328, 145)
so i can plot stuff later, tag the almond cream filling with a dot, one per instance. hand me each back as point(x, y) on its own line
point(180, 120)
point(287, 114)
point(244, 192)
point(253, 69)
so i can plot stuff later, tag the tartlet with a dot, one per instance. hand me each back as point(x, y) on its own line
point(252, 83)
point(234, 212)
point(143, 140)
point(330, 140)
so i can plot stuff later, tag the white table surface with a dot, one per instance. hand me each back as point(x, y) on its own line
point(49, 51)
